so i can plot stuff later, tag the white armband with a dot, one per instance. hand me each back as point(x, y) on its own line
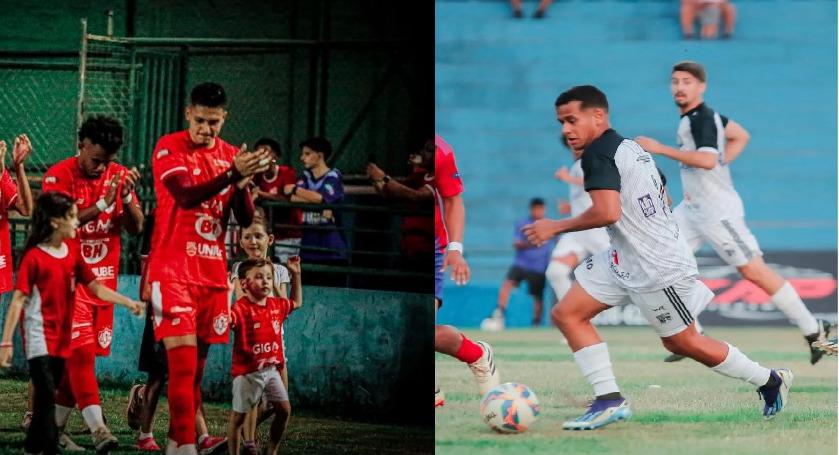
point(101, 205)
point(455, 246)
point(128, 199)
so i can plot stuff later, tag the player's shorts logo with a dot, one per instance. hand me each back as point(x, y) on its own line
point(104, 337)
point(94, 251)
point(220, 324)
point(663, 318)
point(277, 326)
point(208, 228)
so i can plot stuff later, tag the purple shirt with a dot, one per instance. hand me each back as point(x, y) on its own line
point(532, 258)
point(329, 186)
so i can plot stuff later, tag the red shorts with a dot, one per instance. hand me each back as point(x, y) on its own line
point(181, 309)
point(93, 324)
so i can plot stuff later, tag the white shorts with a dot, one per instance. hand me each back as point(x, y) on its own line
point(249, 388)
point(668, 311)
point(581, 243)
point(729, 237)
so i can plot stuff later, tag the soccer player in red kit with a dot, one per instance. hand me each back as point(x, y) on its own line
point(104, 194)
point(14, 195)
point(49, 270)
point(449, 220)
point(198, 179)
point(257, 320)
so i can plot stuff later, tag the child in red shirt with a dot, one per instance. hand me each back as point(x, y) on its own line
point(46, 282)
point(257, 320)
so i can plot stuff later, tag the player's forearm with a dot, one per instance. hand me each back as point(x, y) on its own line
point(594, 217)
point(733, 149)
point(12, 315)
point(242, 206)
point(455, 213)
point(403, 192)
point(304, 195)
point(107, 294)
point(24, 203)
point(188, 195)
point(271, 197)
point(135, 220)
point(703, 160)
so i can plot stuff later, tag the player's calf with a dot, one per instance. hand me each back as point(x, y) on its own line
point(282, 414)
point(234, 426)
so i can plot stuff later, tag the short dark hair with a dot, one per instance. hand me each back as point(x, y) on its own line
point(537, 201)
point(208, 94)
point(252, 263)
point(275, 146)
point(318, 144)
point(587, 95)
point(103, 131)
point(695, 69)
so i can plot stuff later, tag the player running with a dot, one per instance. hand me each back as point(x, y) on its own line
point(712, 211)
point(198, 180)
point(648, 264)
point(44, 300)
point(449, 220)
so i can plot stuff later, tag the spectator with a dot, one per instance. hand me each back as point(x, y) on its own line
point(417, 231)
point(319, 185)
point(269, 187)
point(709, 13)
point(540, 11)
point(529, 265)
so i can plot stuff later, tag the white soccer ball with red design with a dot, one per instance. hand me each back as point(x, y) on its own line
point(510, 408)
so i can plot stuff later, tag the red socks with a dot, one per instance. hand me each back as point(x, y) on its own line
point(469, 352)
point(79, 381)
point(183, 362)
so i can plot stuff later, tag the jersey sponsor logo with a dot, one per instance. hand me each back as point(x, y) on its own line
point(104, 337)
point(204, 250)
point(162, 153)
point(208, 228)
point(260, 348)
point(2, 261)
point(99, 226)
point(220, 323)
point(51, 179)
point(94, 251)
point(647, 207)
point(277, 326)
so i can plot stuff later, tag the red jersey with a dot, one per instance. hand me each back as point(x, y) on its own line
point(49, 279)
point(257, 333)
point(446, 183)
point(282, 215)
point(8, 197)
point(99, 238)
point(188, 244)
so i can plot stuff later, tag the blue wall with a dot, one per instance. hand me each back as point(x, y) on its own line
point(497, 78)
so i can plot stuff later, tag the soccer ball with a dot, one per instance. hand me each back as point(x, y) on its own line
point(510, 408)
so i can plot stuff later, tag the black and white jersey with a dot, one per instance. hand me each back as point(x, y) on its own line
point(709, 194)
point(648, 254)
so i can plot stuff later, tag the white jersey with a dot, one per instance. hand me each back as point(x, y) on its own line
point(280, 274)
point(579, 200)
point(709, 194)
point(647, 251)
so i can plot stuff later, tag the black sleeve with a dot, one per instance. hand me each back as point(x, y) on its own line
point(704, 131)
point(661, 174)
point(724, 120)
point(600, 171)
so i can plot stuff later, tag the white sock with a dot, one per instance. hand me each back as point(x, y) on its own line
point(597, 368)
point(788, 301)
point(737, 365)
point(187, 449)
point(62, 415)
point(559, 275)
point(171, 447)
point(93, 417)
point(146, 435)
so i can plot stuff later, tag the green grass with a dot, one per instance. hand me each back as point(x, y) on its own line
point(694, 412)
point(306, 434)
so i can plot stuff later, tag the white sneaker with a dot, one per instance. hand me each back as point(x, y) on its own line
point(484, 370)
point(67, 445)
point(104, 441)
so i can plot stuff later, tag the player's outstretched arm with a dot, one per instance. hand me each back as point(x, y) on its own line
point(736, 138)
point(605, 210)
point(22, 149)
point(296, 282)
point(107, 294)
point(692, 158)
point(12, 316)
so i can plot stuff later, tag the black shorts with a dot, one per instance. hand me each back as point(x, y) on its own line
point(535, 280)
point(152, 353)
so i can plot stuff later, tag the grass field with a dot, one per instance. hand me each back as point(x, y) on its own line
point(696, 411)
point(305, 435)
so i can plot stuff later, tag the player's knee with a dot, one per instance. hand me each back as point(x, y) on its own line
point(563, 316)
